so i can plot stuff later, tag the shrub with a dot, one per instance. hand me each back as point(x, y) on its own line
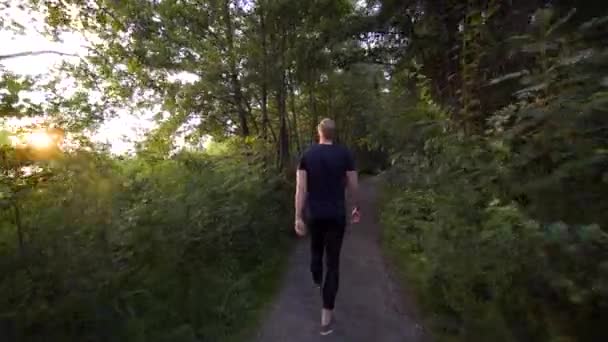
point(143, 250)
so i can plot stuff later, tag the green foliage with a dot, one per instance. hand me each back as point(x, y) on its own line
point(491, 114)
point(503, 232)
point(11, 103)
point(143, 250)
point(165, 245)
point(485, 269)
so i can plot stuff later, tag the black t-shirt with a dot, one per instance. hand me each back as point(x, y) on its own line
point(326, 167)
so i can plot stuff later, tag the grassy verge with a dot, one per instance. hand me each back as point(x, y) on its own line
point(264, 285)
point(410, 273)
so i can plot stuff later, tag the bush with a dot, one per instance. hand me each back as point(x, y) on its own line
point(484, 267)
point(503, 229)
point(143, 250)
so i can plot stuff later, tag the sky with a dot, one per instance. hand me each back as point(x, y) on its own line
point(119, 132)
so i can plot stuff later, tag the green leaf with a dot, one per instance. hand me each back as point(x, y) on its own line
point(5, 138)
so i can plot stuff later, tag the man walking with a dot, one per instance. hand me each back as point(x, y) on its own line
point(324, 172)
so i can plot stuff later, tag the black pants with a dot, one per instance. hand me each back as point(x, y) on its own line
point(326, 238)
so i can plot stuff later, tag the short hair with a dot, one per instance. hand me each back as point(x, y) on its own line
point(327, 128)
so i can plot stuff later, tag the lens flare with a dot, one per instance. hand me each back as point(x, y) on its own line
point(40, 139)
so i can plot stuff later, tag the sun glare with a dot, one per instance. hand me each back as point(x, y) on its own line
point(39, 139)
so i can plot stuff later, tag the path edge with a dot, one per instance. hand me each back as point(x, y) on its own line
point(405, 294)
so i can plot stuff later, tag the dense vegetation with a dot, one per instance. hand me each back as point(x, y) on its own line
point(141, 250)
point(489, 117)
point(496, 208)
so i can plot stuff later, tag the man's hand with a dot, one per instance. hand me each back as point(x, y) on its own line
point(355, 215)
point(300, 227)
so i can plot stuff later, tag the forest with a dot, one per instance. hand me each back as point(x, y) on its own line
point(486, 120)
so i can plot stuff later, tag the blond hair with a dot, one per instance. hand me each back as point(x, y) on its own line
point(327, 128)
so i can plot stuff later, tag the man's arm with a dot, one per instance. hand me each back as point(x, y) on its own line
point(301, 190)
point(352, 180)
point(300, 193)
point(352, 185)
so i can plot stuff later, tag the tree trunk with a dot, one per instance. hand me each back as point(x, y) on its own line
point(294, 120)
point(283, 135)
point(234, 74)
point(254, 122)
point(331, 114)
point(315, 115)
point(265, 120)
point(282, 107)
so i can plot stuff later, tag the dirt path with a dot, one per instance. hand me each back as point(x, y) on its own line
point(369, 308)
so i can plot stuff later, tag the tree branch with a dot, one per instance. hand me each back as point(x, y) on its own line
point(35, 53)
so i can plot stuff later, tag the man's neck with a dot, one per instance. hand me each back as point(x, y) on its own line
point(324, 141)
